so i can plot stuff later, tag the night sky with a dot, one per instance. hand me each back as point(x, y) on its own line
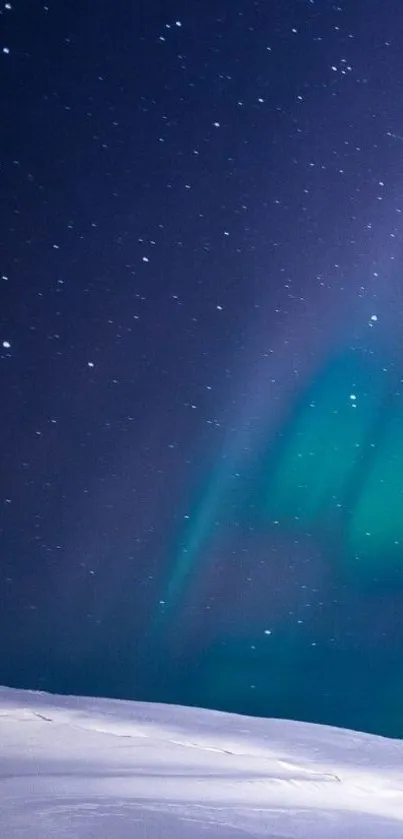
point(201, 366)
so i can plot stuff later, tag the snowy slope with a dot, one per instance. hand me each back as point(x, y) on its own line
point(101, 769)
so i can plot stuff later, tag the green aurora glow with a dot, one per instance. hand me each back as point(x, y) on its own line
point(339, 466)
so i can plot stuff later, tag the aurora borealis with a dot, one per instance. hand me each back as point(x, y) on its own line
point(201, 357)
point(340, 468)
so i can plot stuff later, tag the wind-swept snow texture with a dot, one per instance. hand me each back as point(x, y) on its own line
point(102, 769)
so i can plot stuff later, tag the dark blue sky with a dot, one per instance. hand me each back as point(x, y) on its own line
point(201, 360)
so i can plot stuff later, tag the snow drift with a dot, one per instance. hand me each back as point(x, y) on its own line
point(85, 768)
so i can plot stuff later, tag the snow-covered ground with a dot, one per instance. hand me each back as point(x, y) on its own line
point(101, 769)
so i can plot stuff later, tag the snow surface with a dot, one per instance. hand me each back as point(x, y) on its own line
point(102, 769)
